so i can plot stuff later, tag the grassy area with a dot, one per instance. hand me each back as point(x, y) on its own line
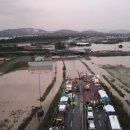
point(14, 64)
point(64, 71)
point(49, 118)
point(50, 86)
point(28, 119)
point(122, 115)
point(114, 86)
point(119, 72)
point(87, 67)
point(87, 58)
point(128, 102)
point(51, 113)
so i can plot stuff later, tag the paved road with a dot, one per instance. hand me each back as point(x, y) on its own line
point(76, 117)
point(100, 118)
point(73, 117)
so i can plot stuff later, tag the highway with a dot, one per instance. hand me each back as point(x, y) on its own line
point(73, 115)
point(100, 117)
point(76, 116)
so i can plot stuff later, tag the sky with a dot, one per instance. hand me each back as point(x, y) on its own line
point(53, 15)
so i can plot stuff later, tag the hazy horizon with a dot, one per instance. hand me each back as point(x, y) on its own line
point(79, 15)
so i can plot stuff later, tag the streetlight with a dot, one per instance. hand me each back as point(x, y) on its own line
point(39, 89)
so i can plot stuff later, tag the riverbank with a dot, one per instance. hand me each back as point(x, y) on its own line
point(14, 64)
point(109, 53)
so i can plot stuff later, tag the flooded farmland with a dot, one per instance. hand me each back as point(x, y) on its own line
point(105, 47)
point(111, 47)
point(96, 64)
point(46, 103)
point(19, 92)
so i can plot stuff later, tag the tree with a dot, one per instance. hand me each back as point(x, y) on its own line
point(59, 46)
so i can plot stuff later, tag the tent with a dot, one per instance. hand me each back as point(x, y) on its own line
point(102, 93)
point(109, 108)
point(62, 107)
point(104, 96)
point(64, 99)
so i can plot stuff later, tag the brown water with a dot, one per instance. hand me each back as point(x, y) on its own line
point(117, 60)
point(73, 67)
point(97, 69)
point(105, 47)
point(34, 123)
point(19, 91)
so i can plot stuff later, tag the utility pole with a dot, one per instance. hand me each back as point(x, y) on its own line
point(39, 89)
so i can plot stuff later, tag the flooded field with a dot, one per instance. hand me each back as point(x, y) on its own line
point(105, 47)
point(46, 103)
point(120, 72)
point(118, 60)
point(19, 92)
point(111, 47)
point(74, 67)
point(96, 64)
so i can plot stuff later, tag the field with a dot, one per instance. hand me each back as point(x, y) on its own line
point(119, 72)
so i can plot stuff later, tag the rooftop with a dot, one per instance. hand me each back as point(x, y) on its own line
point(114, 122)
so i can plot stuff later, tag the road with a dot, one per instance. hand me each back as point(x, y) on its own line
point(74, 119)
point(100, 117)
point(76, 116)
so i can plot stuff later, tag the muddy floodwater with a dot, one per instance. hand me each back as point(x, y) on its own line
point(105, 47)
point(46, 103)
point(96, 64)
point(111, 47)
point(19, 92)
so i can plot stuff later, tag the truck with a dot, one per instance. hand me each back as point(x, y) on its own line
point(90, 116)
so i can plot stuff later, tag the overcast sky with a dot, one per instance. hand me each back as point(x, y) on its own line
point(65, 14)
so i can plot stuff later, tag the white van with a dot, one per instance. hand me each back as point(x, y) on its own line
point(90, 117)
point(90, 109)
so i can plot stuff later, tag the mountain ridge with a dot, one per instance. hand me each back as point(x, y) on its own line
point(19, 32)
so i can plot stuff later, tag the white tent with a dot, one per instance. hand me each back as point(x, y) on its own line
point(102, 93)
point(109, 108)
point(62, 107)
point(64, 99)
